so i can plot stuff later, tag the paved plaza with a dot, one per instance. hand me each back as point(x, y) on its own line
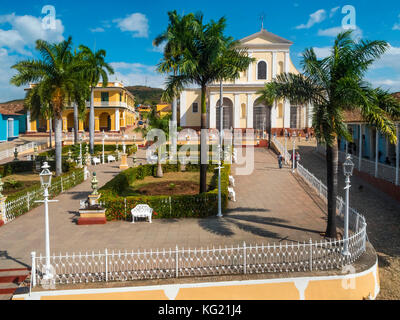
point(272, 205)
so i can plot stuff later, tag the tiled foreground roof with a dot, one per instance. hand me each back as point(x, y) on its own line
point(15, 107)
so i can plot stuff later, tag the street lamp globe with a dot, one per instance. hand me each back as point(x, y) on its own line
point(45, 176)
point(348, 166)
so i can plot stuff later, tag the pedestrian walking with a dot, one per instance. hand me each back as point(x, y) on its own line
point(297, 159)
point(307, 136)
point(280, 158)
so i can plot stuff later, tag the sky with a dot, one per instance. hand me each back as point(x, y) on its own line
point(126, 30)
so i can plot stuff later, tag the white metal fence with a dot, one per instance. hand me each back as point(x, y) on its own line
point(180, 262)
point(10, 152)
point(23, 204)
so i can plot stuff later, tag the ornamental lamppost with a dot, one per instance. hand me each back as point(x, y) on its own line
point(219, 215)
point(348, 167)
point(294, 149)
point(286, 160)
point(45, 181)
point(95, 184)
point(104, 137)
point(80, 149)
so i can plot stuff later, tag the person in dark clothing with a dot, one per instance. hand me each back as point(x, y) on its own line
point(280, 159)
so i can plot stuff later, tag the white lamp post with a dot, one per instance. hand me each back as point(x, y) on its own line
point(104, 137)
point(45, 181)
point(294, 149)
point(80, 149)
point(286, 160)
point(219, 215)
point(348, 167)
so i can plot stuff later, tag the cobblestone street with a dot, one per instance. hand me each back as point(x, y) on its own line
point(381, 212)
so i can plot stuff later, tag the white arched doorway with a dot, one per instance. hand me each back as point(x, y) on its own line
point(227, 118)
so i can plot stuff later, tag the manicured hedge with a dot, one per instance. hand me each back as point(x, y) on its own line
point(180, 206)
point(13, 167)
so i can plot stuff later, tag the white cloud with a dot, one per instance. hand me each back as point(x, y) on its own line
point(159, 49)
point(316, 17)
point(322, 52)
point(94, 30)
point(138, 74)
point(333, 11)
point(137, 23)
point(333, 32)
point(396, 26)
point(7, 91)
point(18, 35)
point(391, 59)
point(393, 85)
point(24, 32)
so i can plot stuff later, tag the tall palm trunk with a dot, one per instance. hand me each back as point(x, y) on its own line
point(76, 123)
point(91, 121)
point(203, 142)
point(160, 173)
point(58, 139)
point(175, 123)
point(269, 126)
point(332, 185)
point(50, 132)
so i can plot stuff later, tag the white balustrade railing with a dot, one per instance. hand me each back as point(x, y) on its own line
point(25, 203)
point(10, 152)
point(181, 262)
point(384, 172)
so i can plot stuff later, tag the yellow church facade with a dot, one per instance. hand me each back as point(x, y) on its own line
point(241, 110)
point(114, 110)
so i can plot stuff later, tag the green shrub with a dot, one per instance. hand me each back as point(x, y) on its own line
point(180, 206)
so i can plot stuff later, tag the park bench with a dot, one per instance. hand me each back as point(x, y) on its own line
point(231, 194)
point(142, 211)
point(111, 158)
point(232, 181)
point(96, 160)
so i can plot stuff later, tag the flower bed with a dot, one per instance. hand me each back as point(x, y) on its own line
point(179, 206)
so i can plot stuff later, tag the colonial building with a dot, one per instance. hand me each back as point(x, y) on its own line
point(12, 120)
point(241, 109)
point(114, 110)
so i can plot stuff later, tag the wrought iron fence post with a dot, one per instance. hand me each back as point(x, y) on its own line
point(62, 187)
point(106, 263)
point(244, 258)
point(33, 270)
point(176, 262)
point(311, 262)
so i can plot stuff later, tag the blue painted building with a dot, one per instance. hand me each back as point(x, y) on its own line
point(12, 120)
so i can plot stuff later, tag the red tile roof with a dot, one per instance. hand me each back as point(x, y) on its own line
point(13, 108)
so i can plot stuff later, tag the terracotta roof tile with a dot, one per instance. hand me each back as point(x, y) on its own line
point(13, 108)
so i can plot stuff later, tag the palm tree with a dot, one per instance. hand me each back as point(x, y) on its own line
point(97, 68)
point(335, 84)
point(56, 80)
point(268, 96)
point(156, 122)
point(81, 94)
point(174, 39)
point(208, 57)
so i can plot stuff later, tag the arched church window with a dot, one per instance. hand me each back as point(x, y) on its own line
point(262, 70)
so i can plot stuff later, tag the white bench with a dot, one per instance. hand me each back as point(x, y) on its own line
point(232, 181)
point(142, 211)
point(111, 158)
point(231, 194)
point(96, 160)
